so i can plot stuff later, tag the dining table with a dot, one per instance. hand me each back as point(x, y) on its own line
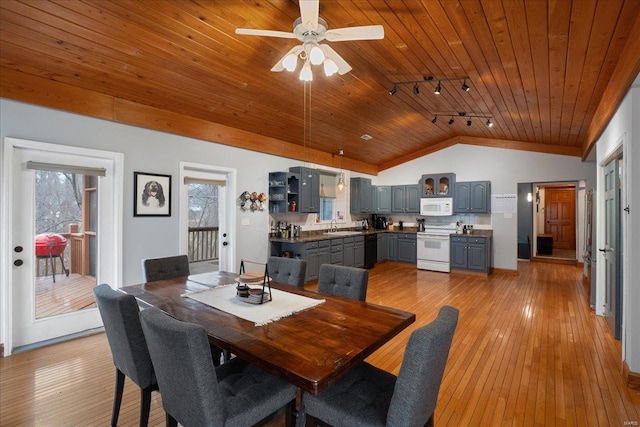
point(311, 348)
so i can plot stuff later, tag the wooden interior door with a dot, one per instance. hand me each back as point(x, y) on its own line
point(560, 216)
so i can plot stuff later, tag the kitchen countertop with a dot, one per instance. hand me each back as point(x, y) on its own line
point(315, 236)
point(476, 233)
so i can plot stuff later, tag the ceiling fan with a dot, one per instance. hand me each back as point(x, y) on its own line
point(310, 29)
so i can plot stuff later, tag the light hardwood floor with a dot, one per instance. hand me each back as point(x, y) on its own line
point(528, 351)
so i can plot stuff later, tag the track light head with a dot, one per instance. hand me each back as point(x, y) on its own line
point(469, 122)
point(451, 120)
point(393, 90)
point(438, 88)
point(489, 123)
point(465, 87)
point(435, 119)
point(416, 89)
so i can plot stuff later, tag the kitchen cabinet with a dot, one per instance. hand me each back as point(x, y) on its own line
point(283, 192)
point(337, 253)
point(470, 253)
point(358, 252)
point(316, 254)
point(308, 189)
point(437, 185)
point(393, 247)
point(383, 247)
point(361, 195)
point(405, 198)
point(472, 197)
point(382, 199)
point(406, 248)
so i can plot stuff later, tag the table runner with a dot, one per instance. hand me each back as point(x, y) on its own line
point(282, 304)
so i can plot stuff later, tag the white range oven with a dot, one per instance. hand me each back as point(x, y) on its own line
point(433, 247)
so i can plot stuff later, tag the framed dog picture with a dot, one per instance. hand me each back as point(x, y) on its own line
point(151, 194)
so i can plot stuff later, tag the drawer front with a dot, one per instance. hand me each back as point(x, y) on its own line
point(336, 258)
point(311, 245)
point(324, 243)
point(480, 240)
point(457, 239)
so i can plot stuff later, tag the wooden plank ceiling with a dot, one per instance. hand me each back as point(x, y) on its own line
point(549, 74)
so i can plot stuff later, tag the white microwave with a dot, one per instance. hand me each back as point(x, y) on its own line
point(436, 206)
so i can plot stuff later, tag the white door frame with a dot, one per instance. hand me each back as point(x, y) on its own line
point(112, 274)
point(227, 219)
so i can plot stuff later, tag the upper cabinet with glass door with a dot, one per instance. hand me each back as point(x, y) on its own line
point(438, 185)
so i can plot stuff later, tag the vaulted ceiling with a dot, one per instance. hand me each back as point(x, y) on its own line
point(550, 74)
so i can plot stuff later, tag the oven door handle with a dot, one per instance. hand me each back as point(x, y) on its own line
point(433, 236)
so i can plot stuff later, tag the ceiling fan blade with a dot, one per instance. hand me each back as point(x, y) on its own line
point(309, 13)
point(266, 33)
point(367, 32)
point(343, 66)
point(279, 66)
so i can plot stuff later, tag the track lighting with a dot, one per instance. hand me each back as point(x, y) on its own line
point(435, 119)
point(464, 115)
point(438, 88)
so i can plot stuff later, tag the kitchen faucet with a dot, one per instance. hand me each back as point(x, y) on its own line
point(331, 227)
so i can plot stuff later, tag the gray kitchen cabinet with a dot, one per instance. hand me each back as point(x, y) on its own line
point(470, 253)
point(392, 255)
point(283, 192)
point(383, 247)
point(349, 259)
point(406, 248)
point(358, 252)
point(382, 199)
point(361, 195)
point(337, 252)
point(437, 185)
point(309, 189)
point(316, 254)
point(472, 197)
point(405, 198)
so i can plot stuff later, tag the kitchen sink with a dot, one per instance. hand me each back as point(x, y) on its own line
point(342, 233)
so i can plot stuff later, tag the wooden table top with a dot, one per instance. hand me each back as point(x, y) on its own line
point(311, 349)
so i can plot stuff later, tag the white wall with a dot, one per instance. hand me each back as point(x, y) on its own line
point(505, 169)
point(623, 132)
point(156, 152)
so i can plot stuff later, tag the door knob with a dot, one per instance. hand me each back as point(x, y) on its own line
point(18, 262)
point(18, 249)
point(224, 243)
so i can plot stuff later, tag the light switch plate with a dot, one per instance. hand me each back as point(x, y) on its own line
point(245, 221)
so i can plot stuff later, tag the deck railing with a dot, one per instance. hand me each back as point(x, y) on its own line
point(203, 243)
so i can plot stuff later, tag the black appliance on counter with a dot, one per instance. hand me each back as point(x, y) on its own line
point(379, 222)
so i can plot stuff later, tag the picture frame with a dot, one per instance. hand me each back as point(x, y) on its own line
point(151, 194)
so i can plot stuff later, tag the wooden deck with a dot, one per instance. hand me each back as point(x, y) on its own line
point(528, 351)
point(65, 295)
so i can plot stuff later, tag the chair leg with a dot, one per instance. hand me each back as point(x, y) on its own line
point(145, 405)
point(117, 400)
point(290, 416)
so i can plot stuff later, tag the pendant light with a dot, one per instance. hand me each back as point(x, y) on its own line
point(341, 183)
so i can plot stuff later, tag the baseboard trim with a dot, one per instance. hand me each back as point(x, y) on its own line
point(632, 379)
point(550, 260)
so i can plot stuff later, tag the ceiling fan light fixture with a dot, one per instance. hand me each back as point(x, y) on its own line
point(290, 62)
point(330, 67)
point(306, 75)
point(316, 55)
point(438, 89)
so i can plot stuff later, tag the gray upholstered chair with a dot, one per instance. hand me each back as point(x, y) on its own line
point(165, 268)
point(194, 393)
point(343, 281)
point(368, 396)
point(121, 319)
point(168, 268)
point(287, 270)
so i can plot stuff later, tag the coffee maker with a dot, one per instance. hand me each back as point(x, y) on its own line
point(420, 222)
point(378, 222)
